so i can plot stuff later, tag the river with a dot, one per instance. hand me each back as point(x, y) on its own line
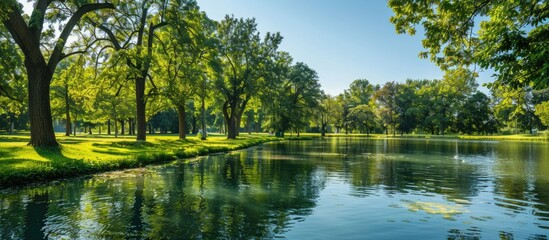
point(333, 188)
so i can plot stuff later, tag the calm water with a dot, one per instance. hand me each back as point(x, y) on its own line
point(336, 188)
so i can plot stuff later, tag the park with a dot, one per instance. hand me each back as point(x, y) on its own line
point(185, 119)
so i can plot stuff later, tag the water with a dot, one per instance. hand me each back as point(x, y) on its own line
point(336, 188)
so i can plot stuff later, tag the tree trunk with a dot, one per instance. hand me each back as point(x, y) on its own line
point(247, 125)
point(181, 117)
point(194, 124)
point(75, 124)
point(203, 108)
point(109, 127)
point(67, 113)
point(123, 127)
point(231, 128)
point(115, 128)
point(41, 125)
point(237, 123)
point(230, 119)
point(140, 113)
point(12, 125)
point(133, 126)
point(129, 126)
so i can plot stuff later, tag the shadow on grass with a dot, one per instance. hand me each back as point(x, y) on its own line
point(111, 151)
point(62, 164)
point(13, 164)
point(11, 138)
point(8, 152)
point(71, 141)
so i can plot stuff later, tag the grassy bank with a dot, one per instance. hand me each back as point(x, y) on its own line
point(80, 155)
point(517, 137)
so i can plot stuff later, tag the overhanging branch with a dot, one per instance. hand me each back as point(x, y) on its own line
point(58, 50)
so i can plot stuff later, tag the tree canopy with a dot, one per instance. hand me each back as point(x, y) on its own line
point(511, 37)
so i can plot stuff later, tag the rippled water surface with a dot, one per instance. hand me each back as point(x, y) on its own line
point(336, 188)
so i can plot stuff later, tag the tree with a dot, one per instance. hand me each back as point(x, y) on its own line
point(113, 98)
point(132, 34)
point(326, 112)
point(387, 108)
point(360, 92)
point(34, 41)
point(13, 89)
point(188, 46)
point(456, 86)
point(476, 115)
point(276, 73)
point(515, 107)
point(359, 105)
point(512, 36)
point(302, 95)
point(407, 106)
point(243, 55)
point(363, 116)
point(542, 111)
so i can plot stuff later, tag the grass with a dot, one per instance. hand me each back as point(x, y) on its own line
point(514, 137)
point(543, 136)
point(86, 154)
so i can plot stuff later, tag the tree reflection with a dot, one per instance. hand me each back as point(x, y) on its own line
point(136, 222)
point(37, 209)
point(263, 192)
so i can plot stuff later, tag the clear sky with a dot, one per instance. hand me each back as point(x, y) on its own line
point(342, 40)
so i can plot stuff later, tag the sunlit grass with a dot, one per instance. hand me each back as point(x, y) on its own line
point(542, 136)
point(515, 137)
point(86, 154)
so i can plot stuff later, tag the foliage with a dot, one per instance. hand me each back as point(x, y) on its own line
point(510, 37)
point(243, 56)
point(542, 111)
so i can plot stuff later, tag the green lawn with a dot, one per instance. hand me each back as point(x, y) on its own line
point(86, 154)
point(544, 136)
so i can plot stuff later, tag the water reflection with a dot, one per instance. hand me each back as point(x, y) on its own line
point(332, 188)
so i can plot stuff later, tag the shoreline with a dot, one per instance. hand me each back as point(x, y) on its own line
point(516, 137)
point(50, 164)
point(83, 155)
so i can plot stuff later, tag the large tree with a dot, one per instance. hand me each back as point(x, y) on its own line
point(301, 95)
point(326, 112)
point(385, 97)
point(132, 34)
point(512, 37)
point(182, 61)
point(43, 51)
point(243, 54)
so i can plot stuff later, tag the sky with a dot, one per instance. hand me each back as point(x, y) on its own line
point(341, 40)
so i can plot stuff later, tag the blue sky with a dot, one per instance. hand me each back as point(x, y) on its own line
point(341, 40)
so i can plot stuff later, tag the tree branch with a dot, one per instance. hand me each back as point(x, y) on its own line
point(63, 56)
point(23, 36)
point(58, 50)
